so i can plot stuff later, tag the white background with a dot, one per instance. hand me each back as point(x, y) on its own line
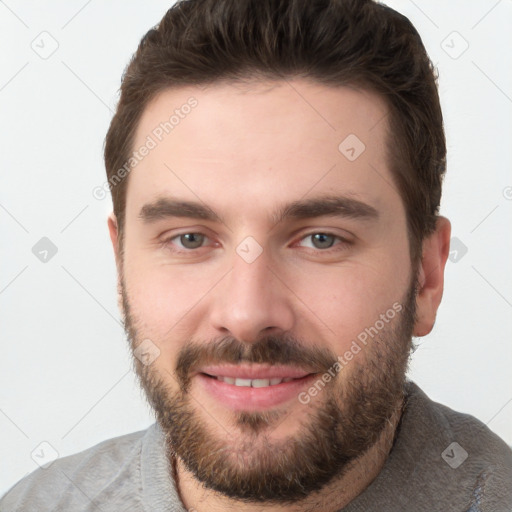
point(65, 374)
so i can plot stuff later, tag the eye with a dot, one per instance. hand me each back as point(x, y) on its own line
point(325, 241)
point(185, 242)
point(190, 242)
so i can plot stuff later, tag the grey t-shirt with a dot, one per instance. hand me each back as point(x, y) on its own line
point(441, 460)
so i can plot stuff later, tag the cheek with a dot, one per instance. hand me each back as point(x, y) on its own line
point(348, 299)
point(162, 296)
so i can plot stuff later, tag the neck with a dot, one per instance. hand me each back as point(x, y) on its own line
point(331, 498)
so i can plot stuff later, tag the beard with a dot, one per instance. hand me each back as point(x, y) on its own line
point(240, 459)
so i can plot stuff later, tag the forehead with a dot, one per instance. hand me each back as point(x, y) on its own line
point(236, 147)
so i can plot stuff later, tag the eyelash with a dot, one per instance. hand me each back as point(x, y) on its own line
point(335, 248)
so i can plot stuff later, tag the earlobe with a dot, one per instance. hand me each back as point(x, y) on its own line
point(431, 276)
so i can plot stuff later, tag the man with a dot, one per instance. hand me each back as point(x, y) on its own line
point(276, 169)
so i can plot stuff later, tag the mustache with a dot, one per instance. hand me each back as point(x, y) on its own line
point(271, 350)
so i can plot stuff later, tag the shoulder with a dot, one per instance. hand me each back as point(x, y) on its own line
point(483, 443)
point(473, 452)
point(75, 481)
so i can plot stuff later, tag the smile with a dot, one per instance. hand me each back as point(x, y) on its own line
point(254, 383)
point(253, 388)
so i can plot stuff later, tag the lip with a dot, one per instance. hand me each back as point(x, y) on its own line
point(246, 398)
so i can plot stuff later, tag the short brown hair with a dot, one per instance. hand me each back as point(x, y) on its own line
point(334, 42)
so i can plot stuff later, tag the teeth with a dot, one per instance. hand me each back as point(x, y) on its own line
point(255, 383)
point(243, 382)
point(261, 383)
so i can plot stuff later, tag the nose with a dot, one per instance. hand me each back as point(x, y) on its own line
point(252, 301)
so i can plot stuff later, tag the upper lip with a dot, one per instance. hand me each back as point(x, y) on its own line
point(255, 371)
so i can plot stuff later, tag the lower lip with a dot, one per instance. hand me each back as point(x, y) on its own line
point(252, 399)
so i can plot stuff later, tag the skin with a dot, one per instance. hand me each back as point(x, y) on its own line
point(244, 152)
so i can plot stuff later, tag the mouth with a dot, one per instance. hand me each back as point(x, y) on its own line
point(252, 383)
point(253, 388)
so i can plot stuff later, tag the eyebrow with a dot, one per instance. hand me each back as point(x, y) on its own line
point(330, 206)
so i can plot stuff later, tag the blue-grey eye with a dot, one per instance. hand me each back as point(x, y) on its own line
point(322, 240)
point(192, 240)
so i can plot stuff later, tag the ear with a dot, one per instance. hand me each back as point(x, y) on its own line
point(435, 251)
point(114, 237)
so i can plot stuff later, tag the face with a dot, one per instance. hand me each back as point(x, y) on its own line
point(266, 274)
